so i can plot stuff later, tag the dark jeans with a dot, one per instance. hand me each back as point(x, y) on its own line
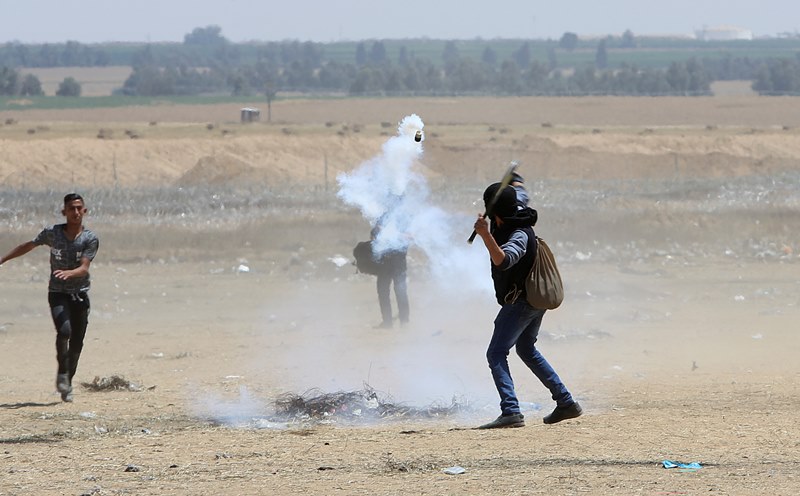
point(517, 324)
point(70, 314)
point(385, 279)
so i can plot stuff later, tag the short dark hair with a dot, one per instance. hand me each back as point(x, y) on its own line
point(71, 197)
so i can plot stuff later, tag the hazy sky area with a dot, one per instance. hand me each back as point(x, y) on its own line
point(89, 21)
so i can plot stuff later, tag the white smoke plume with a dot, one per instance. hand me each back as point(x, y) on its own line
point(237, 411)
point(389, 190)
point(414, 366)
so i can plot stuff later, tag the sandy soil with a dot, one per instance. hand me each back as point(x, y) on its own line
point(678, 334)
point(312, 141)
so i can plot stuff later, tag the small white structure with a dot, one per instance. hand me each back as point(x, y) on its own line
point(723, 33)
point(250, 114)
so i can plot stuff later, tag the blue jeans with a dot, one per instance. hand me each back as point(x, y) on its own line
point(518, 324)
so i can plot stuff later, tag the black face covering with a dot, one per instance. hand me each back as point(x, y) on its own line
point(515, 215)
point(506, 204)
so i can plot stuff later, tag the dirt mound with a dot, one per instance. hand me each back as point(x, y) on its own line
point(218, 170)
point(467, 141)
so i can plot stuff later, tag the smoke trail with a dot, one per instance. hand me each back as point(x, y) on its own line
point(237, 411)
point(389, 191)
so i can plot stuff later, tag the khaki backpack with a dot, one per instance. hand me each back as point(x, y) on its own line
point(543, 285)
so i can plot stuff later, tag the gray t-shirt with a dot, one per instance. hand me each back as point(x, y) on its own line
point(66, 255)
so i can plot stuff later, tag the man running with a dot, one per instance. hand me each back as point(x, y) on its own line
point(72, 249)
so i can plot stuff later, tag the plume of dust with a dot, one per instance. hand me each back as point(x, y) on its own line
point(237, 411)
point(390, 191)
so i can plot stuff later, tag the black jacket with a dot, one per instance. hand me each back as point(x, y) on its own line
point(509, 281)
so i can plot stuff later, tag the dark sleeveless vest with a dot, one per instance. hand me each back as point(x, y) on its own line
point(509, 285)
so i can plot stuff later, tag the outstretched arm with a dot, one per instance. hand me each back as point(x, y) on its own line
point(18, 251)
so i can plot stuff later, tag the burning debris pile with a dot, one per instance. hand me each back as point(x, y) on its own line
point(113, 383)
point(354, 405)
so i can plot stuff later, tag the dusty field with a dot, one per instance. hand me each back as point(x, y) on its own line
point(678, 243)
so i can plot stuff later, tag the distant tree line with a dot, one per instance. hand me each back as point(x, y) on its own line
point(12, 83)
point(69, 54)
point(303, 67)
point(207, 63)
point(779, 77)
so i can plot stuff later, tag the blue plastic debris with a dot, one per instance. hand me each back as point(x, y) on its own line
point(690, 466)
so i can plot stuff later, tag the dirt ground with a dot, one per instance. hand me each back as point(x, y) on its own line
point(222, 283)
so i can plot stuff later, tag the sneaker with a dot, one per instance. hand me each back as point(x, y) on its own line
point(513, 420)
point(66, 397)
point(62, 384)
point(563, 413)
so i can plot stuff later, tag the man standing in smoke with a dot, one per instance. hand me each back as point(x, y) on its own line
point(512, 245)
point(392, 197)
point(391, 270)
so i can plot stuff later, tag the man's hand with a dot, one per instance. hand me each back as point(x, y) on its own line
point(62, 274)
point(496, 253)
point(80, 271)
point(481, 226)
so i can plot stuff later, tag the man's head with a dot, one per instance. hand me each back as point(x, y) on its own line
point(505, 203)
point(74, 208)
point(70, 197)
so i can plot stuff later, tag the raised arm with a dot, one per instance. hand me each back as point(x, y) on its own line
point(496, 253)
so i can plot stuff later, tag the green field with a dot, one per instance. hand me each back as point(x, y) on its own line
point(649, 52)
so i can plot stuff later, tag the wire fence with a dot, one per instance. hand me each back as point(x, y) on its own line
point(625, 219)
